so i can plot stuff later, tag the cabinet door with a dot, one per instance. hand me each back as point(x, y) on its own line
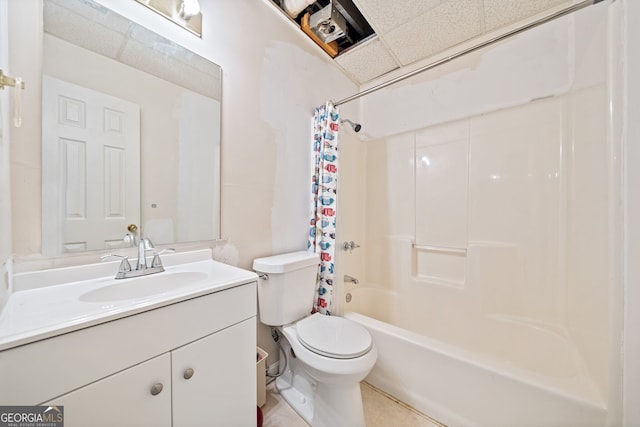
point(221, 386)
point(123, 399)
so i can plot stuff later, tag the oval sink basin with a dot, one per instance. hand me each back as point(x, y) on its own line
point(141, 287)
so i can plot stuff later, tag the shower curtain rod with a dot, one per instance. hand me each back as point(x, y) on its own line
point(543, 20)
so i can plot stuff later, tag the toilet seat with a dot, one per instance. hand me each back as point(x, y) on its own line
point(333, 336)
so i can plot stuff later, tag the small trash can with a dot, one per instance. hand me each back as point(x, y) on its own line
point(261, 363)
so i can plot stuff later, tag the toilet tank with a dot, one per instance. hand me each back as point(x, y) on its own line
point(288, 292)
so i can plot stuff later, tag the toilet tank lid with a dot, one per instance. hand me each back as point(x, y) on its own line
point(286, 262)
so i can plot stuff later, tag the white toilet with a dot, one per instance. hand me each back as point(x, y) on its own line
point(326, 356)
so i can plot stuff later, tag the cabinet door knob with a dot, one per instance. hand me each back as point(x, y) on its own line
point(156, 389)
point(188, 373)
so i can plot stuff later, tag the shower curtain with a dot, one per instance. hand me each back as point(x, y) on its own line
point(322, 233)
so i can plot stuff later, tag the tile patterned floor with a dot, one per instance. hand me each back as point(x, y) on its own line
point(381, 410)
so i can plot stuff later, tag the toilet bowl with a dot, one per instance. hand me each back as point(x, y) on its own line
point(327, 356)
point(337, 375)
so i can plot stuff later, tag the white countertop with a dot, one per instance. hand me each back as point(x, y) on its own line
point(37, 311)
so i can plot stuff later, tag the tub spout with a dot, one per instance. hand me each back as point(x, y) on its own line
point(348, 278)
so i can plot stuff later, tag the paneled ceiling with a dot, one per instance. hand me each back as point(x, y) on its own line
point(408, 31)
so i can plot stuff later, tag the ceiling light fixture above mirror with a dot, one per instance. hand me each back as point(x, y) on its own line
point(185, 13)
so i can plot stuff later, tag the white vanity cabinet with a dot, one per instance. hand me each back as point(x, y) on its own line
point(204, 383)
point(139, 396)
point(210, 379)
point(200, 350)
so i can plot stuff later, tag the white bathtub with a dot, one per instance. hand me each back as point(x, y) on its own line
point(502, 372)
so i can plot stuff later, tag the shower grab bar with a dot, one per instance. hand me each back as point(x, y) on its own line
point(440, 249)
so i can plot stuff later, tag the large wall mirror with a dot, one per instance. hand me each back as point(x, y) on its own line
point(130, 135)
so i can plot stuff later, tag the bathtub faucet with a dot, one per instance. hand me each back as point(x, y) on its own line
point(348, 278)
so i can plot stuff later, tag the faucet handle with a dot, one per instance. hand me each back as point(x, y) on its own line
point(157, 262)
point(124, 264)
point(108, 257)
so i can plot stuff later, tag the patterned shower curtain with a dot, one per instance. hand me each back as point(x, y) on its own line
point(322, 233)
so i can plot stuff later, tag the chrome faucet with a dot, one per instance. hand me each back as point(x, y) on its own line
point(351, 279)
point(142, 269)
point(144, 246)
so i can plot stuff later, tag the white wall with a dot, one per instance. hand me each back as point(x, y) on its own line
point(25, 59)
point(5, 193)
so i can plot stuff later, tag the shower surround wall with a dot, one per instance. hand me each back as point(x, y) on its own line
point(490, 196)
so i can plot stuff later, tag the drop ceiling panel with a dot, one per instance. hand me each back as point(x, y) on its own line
point(385, 15)
point(500, 13)
point(367, 60)
point(446, 25)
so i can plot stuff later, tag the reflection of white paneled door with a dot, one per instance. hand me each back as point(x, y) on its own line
point(90, 168)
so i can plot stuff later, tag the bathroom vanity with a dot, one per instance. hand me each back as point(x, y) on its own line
point(181, 356)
